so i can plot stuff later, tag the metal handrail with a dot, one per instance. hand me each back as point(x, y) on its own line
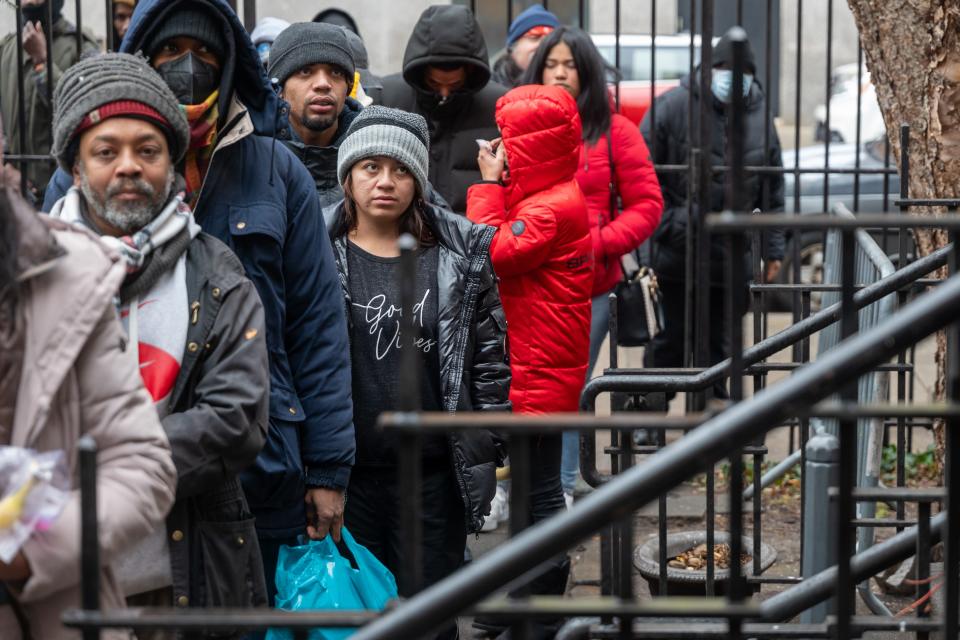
point(717, 439)
point(640, 381)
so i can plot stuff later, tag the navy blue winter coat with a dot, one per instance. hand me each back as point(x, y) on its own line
point(260, 200)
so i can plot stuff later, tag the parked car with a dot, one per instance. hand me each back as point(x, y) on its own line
point(844, 90)
point(672, 63)
point(841, 190)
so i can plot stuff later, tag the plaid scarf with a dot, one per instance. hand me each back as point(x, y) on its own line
point(203, 138)
point(169, 223)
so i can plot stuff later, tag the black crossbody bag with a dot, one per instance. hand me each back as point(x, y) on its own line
point(639, 309)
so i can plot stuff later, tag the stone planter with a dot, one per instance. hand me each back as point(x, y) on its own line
point(680, 582)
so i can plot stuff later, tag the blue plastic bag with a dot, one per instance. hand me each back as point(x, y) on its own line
point(317, 576)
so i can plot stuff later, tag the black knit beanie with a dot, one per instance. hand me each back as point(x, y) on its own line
point(306, 43)
point(723, 54)
point(192, 21)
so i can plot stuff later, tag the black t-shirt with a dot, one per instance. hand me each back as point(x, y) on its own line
point(375, 343)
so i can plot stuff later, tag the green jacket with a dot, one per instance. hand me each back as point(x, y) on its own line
point(38, 109)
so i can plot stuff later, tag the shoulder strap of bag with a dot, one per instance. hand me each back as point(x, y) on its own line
point(614, 201)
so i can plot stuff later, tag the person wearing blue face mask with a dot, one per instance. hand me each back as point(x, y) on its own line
point(669, 141)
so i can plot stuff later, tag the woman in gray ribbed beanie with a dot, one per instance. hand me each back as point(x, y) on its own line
point(459, 346)
point(396, 138)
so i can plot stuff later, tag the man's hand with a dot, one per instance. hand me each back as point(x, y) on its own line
point(773, 268)
point(34, 42)
point(491, 166)
point(17, 571)
point(324, 513)
point(10, 176)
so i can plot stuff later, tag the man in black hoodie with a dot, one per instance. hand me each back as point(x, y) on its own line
point(670, 140)
point(446, 79)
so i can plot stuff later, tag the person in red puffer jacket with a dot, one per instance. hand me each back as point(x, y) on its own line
point(568, 58)
point(543, 254)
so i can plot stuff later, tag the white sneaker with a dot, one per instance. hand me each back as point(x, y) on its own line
point(499, 511)
point(568, 499)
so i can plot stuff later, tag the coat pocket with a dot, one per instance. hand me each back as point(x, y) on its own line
point(232, 566)
point(276, 479)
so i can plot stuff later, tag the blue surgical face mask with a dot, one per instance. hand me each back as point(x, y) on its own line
point(722, 84)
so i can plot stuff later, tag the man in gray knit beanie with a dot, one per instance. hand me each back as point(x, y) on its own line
point(382, 131)
point(120, 132)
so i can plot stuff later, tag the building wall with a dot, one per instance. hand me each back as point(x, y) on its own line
point(813, 69)
point(384, 24)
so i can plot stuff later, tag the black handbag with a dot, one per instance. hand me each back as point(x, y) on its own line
point(639, 308)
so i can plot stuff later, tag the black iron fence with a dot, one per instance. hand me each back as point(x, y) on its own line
point(731, 434)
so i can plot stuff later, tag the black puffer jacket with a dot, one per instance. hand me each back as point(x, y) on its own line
point(671, 145)
point(474, 369)
point(217, 426)
point(321, 162)
point(444, 35)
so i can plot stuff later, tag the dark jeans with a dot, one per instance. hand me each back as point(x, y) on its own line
point(666, 350)
point(373, 517)
point(546, 500)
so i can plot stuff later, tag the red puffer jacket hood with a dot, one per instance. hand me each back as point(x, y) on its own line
point(542, 250)
point(541, 133)
point(641, 203)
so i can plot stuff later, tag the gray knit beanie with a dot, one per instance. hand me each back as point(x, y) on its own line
point(107, 79)
point(382, 131)
point(306, 43)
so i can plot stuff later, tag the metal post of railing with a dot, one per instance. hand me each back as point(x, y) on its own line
point(701, 275)
point(610, 537)
point(923, 558)
point(626, 540)
point(521, 459)
point(410, 463)
point(848, 449)
point(736, 309)
point(108, 39)
point(901, 300)
point(826, 142)
point(21, 100)
point(820, 472)
point(79, 33)
point(616, 52)
point(951, 561)
point(89, 532)
point(249, 15)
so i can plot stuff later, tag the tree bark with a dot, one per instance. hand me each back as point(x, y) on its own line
point(912, 49)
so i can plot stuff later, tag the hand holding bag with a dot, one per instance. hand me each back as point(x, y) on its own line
point(639, 309)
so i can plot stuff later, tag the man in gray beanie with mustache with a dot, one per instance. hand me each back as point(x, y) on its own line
point(193, 319)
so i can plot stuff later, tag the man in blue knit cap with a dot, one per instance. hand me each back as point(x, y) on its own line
point(523, 38)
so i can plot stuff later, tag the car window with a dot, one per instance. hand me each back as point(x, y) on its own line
point(672, 62)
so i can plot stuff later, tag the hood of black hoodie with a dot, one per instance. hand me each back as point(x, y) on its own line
point(447, 34)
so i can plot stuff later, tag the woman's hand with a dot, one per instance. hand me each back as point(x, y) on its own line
point(492, 166)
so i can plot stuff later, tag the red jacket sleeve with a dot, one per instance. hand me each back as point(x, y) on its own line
point(639, 192)
point(521, 244)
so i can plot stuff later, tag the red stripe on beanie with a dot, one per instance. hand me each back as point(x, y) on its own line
point(122, 108)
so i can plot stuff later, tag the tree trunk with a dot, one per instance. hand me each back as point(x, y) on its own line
point(912, 49)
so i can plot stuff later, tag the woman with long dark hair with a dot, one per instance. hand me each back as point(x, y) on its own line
point(615, 175)
point(382, 165)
